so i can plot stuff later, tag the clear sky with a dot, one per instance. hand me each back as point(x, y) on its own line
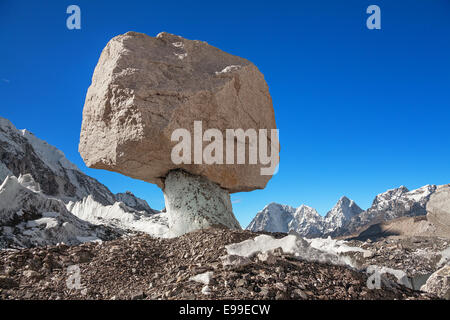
point(359, 111)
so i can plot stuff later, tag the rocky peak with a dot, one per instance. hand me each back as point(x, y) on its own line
point(346, 217)
point(306, 222)
point(134, 202)
point(389, 195)
point(389, 205)
point(341, 213)
point(46, 199)
point(305, 212)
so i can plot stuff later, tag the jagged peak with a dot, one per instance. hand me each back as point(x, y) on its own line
point(273, 204)
point(276, 205)
point(305, 210)
point(396, 192)
point(304, 206)
point(343, 200)
point(52, 156)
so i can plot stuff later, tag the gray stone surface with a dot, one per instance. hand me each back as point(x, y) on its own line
point(194, 202)
point(438, 208)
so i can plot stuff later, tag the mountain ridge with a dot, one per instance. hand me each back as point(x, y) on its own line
point(346, 217)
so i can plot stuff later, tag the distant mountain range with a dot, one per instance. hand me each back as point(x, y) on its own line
point(45, 199)
point(346, 217)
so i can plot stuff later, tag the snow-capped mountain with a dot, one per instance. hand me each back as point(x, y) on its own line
point(48, 176)
point(29, 218)
point(306, 222)
point(119, 216)
point(273, 218)
point(392, 204)
point(21, 152)
point(346, 217)
point(344, 210)
point(134, 202)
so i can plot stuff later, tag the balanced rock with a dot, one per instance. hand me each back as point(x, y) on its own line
point(146, 91)
point(144, 88)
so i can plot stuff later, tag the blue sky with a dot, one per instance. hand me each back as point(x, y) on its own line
point(359, 111)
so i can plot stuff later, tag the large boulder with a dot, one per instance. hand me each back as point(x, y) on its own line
point(144, 88)
point(438, 208)
point(439, 283)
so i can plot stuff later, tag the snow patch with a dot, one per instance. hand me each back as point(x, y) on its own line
point(119, 216)
point(320, 250)
point(89, 239)
point(206, 290)
point(181, 56)
point(420, 193)
point(52, 157)
point(204, 278)
point(334, 246)
point(229, 69)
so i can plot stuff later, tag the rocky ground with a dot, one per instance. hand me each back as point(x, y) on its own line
point(414, 255)
point(142, 267)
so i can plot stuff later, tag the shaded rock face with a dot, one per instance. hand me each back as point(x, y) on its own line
point(439, 208)
point(47, 180)
point(144, 88)
point(134, 202)
point(194, 202)
point(22, 153)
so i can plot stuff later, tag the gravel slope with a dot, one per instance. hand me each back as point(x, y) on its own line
point(142, 267)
